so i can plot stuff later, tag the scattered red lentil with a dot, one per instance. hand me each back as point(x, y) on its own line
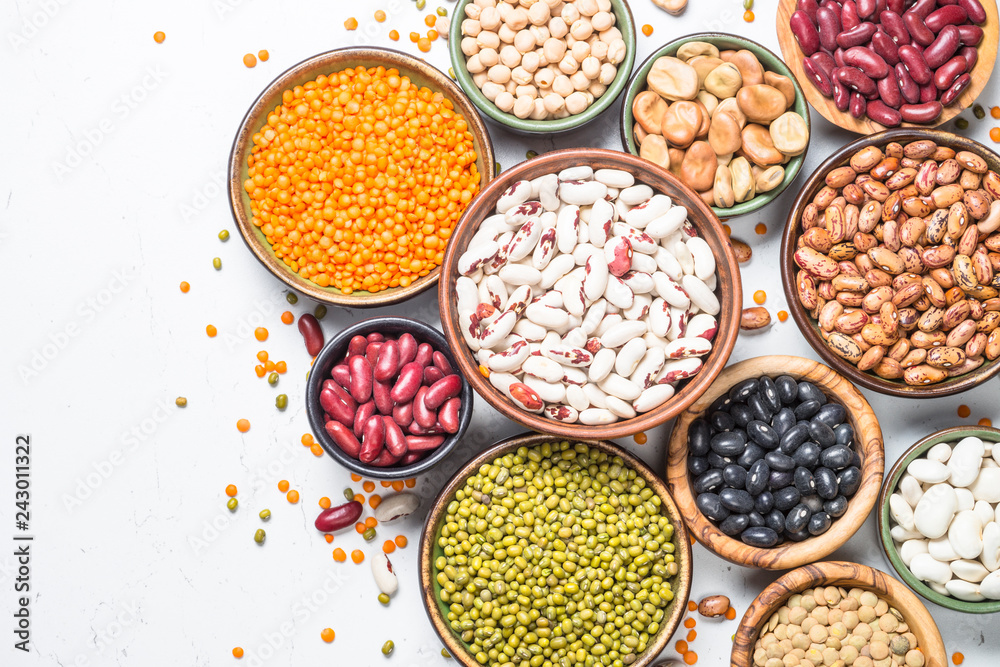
point(357, 556)
point(327, 635)
point(430, 20)
point(647, 30)
point(761, 228)
point(250, 60)
point(995, 112)
point(432, 34)
point(231, 490)
point(371, 522)
point(316, 450)
point(727, 229)
point(262, 356)
point(375, 501)
point(359, 498)
point(259, 370)
point(237, 652)
point(360, 527)
point(782, 315)
point(691, 657)
point(394, 35)
point(692, 605)
point(283, 485)
point(355, 477)
point(281, 367)
point(410, 483)
point(368, 486)
point(414, 36)
point(748, 17)
point(351, 24)
point(329, 538)
point(159, 36)
point(957, 658)
point(681, 646)
point(386, 484)
point(292, 496)
point(986, 421)
point(995, 134)
point(379, 16)
point(730, 614)
point(424, 44)
point(964, 411)
point(389, 546)
point(401, 541)
point(640, 438)
point(339, 555)
point(211, 331)
point(690, 623)
point(485, 372)
point(260, 333)
point(307, 439)
point(243, 425)
point(759, 297)
point(268, 365)
point(397, 485)
point(324, 502)
point(287, 317)
point(691, 635)
point(263, 55)
point(185, 287)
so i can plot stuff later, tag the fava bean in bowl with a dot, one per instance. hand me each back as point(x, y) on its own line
point(587, 297)
point(723, 114)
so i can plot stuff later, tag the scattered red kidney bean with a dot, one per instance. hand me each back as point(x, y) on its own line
point(312, 334)
point(391, 400)
point(920, 55)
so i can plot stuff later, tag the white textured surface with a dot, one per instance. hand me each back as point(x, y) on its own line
point(135, 573)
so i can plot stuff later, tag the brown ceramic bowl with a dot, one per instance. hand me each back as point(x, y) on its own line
point(429, 549)
point(421, 74)
point(867, 442)
point(728, 291)
point(789, 242)
point(843, 575)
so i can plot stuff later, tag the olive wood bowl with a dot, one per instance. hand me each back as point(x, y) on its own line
point(526, 126)
point(953, 434)
point(437, 610)
point(793, 55)
point(728, 290)
point(770, 62)
point(421, 74)
point(789, 242)
point(844, 575)
point(867, 442)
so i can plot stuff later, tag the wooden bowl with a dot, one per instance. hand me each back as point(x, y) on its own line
point(953, 434)
point(771, 63)
point(793, 55)
point(333, 352)
point(429, 550)
point(625, 24)
point(421, 74)
point(789, 241)
point(845, 575)
point(729, 289)
point(867, 442)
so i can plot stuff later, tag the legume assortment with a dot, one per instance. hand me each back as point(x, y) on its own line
point(535, 63)
point(554, 551)
point(773, 460)
point(358, 178)
point(945, 515)
point(587, 297)
point(900, 262)
point(832, 625)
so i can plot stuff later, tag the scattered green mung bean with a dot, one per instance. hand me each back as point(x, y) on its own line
point(383, 598)
point(388, 647)
point(978, 111)
point(292, 298)
point(232, 504)
point(451, 72)
point(496, 167)
point(224, 235)
point(259, 536)
point(264, 515)
point(531, 154)
point(217, 263)
point(748, 4)
point(320, 312)
point(444, 653)
point(441, 11)
point(272, 379)
point(559, 550)
point(421, 4)
point(281, 401)
point(369, 535)
point(961, 124)
point(181, 402)
point(349, 493)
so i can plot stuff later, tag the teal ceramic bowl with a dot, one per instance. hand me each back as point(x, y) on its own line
point(723, 41)
point(918, 450)
point(625, 23)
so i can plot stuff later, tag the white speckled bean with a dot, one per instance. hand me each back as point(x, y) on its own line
point(645, 372)
point(614, 178)
point(567, 228)
point(520, 274)
point(622, 387)
point(644, 263)
point(595, 395)
point(659, 317)
point(582, 173)
point(622, 332)
point(525, 240)
point(581, 193)
point(668, 223)
point(476, 256)
point(529, 330)
point(702, 325)
point(643, 214)
point(682, 348)
point(675, 370)
point(510, 358)
point(667, 289)
point(618, 293)
point(704, 260)
point(545, 189)
point(599, 222)
point(498, 330)
point(638, 240)
point(550, 392)
point(545, 250)
point(518, 193)
point(597, 417)
point(595, 313)
point(653, 397)
point(667, 263)
point(635, 194)
point(556, 269)
point(546, 316)
point(595, 281)
point(577, 398)
point(700, 295)
point(629, 356)
point(639, 309)
point(609, 320)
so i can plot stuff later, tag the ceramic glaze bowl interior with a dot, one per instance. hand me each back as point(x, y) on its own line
point(844, 575)
point(867, 443)
point(723, 41)
point(333, 353)
point(625, 24)
point(421, 74)
point(919, 450)
point(430, 550)
point(728, 290)
point(789, 242)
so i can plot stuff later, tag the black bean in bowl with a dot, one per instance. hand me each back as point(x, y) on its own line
point(773, 460)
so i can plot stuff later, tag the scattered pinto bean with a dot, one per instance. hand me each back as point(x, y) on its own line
point(754, 318)
point(713, 606)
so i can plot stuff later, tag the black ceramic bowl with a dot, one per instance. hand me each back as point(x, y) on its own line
point(334, 350)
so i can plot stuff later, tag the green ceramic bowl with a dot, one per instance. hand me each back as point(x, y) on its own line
point(723, 41)
point(918, 450)
point(624, 23)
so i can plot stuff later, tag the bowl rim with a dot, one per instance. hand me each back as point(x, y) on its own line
point(723, 342)
point(243, 140)
point(889, 549)
point(334, 348)
point(833, 573)
point(624, 18)
point(868, 441)
point(427, 537)
point(800, 106)
point(789, 237)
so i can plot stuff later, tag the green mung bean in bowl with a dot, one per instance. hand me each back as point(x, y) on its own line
point(541, 549)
